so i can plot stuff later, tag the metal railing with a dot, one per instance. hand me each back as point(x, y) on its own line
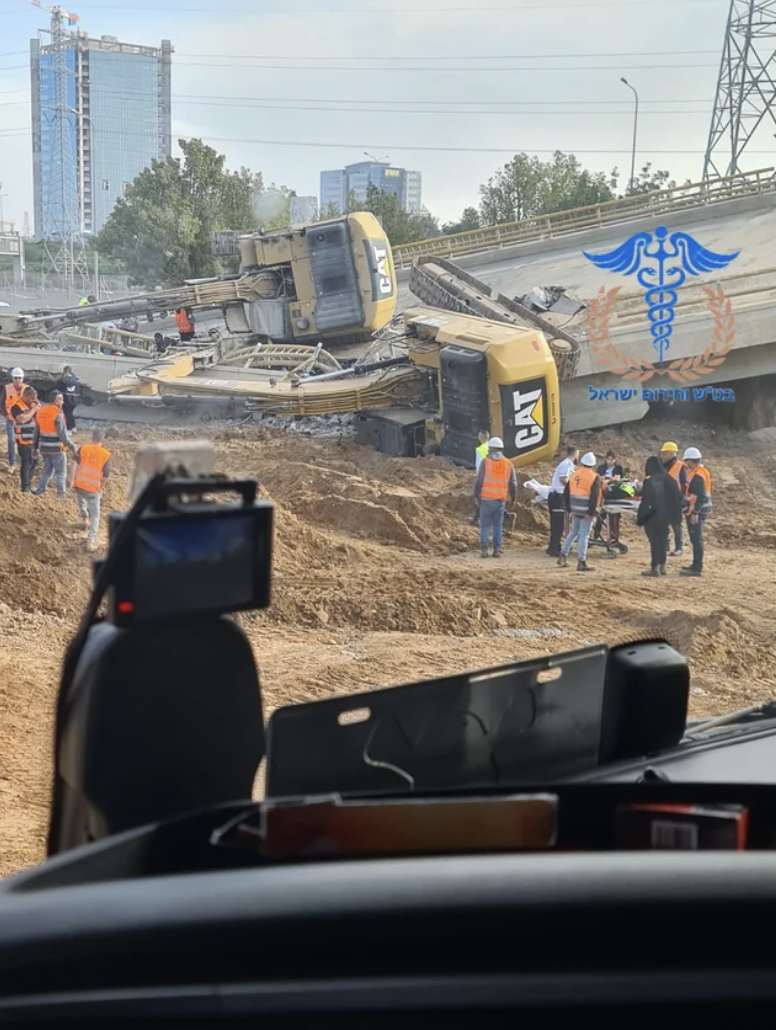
point(594, 216)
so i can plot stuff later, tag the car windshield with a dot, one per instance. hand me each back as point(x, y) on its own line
point(491, 328)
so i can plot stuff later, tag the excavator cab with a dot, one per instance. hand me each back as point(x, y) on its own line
point(488, 375)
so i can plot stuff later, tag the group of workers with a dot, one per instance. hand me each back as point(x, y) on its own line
point(39, 431)
point(675, 491)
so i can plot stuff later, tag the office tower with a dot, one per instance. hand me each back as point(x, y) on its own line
point(101, 112)
point(338, 185)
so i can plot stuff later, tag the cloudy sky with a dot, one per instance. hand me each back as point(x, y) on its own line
point(452, 88)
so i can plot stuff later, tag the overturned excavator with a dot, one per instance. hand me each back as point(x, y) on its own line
point(331, 283)
point(308, 327)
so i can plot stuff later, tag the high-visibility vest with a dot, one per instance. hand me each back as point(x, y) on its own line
point(24, 431)
point(581, 486)
point(184, 323)
point(49, 438)
point(89, 471)
point(11, 394)
point(482, 450)
point(675, 470)
point(496, 480)
point(691, 498)
point(83, 302)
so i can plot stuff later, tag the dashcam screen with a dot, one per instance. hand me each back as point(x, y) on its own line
point(194, 566)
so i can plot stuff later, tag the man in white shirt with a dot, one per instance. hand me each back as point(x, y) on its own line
point(560, 477)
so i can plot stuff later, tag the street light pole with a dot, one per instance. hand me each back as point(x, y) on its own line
point(635, 130)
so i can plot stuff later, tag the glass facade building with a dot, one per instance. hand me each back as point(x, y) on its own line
point(336, 186)
point(114, 118)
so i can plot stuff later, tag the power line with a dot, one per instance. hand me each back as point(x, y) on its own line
point(454, 57)
point(434, 57)
point(476, 9)
point(130, 94)
point(412, 147)
point(456, 71)
point(502, 112)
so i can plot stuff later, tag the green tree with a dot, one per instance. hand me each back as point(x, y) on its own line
point(400, 226)
point(527, 187)
point(469, 220)
point(160, 230)
point(648, 181)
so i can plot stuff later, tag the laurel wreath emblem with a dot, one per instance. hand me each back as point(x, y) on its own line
point(682, 370)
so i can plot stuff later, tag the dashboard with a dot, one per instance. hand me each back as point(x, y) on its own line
point(604, 935)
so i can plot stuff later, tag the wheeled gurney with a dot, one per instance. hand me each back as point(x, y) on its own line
point(620, 498)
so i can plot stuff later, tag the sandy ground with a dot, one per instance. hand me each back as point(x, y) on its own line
point(378, 581)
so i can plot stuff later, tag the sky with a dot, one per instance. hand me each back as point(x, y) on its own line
point(452, 88)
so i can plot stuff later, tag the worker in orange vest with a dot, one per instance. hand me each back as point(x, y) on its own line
point(582, 497)
point(677, 470)
point(23, 412)
point(51, 442)
point(185, 322)
point(697, 501)
point(92, 469)
point(496, 484)
point(11, 393)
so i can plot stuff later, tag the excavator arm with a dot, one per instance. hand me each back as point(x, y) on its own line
point(230, 290)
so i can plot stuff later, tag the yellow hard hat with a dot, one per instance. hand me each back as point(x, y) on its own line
point(670, 447)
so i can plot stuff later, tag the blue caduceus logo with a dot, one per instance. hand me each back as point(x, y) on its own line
point(662, 268)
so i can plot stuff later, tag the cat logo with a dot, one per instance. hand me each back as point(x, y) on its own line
point(530, 419)
point(380, 270)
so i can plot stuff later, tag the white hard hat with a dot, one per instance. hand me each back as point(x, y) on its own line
point(495, 444)
point(18, 373)
point(589, 460)
point(692, 453)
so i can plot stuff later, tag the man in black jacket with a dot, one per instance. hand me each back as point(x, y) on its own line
point(611, 468)
point(69, 386)
point(661, 506)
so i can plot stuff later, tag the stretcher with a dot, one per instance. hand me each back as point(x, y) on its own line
point(616, 503)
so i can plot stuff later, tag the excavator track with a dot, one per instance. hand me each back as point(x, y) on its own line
point(442, 284)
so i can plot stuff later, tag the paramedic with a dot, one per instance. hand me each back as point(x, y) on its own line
point(496, 483)
point(661, 506)
point(677, 470)
point(697, 505)
point(582, 497)
point(555, 502)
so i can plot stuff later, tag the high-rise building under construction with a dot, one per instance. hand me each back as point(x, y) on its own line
point(101, 112)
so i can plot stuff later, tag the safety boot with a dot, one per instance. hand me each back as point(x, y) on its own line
point(563, 561)
point(582, 566)
point(662, 570)
point(651, 572)
point(677, 552)
point(484, 552)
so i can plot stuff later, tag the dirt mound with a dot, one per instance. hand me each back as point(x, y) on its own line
point(377, 579)
point(43, 567)
point(350, 504)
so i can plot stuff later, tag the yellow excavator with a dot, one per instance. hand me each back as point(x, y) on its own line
point(447, 377)
point(429, 385)
point(332, 282)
